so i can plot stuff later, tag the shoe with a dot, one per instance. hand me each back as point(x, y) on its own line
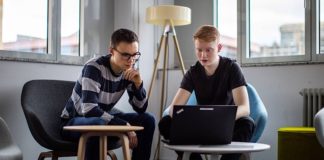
point(195, 156)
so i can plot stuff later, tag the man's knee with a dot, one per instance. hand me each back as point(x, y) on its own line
point(244, 128)
point(164, 126)
point(246, 123)
point(148, 121)
point(86, 121)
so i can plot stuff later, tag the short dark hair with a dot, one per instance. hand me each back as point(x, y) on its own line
point(123, 35)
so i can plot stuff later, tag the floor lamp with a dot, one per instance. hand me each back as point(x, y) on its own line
point(167, 16)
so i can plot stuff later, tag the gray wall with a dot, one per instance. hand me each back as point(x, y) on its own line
point(201, 13)
point(278, 86)
point(100, 23)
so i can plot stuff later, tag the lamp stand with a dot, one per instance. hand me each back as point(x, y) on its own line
point(168, 28)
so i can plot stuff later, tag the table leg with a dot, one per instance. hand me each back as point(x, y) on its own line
point(247, 156)
point(82, 146)
point(186, 155)
point(103, 147)
point(214, 157)
point(125, 143)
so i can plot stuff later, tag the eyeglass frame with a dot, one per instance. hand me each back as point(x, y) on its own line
point(128, 56)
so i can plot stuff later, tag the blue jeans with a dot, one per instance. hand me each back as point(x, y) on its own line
point(141, 152)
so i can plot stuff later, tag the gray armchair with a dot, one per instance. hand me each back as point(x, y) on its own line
point(8, 149)
point(319, 126)
point(42, 102)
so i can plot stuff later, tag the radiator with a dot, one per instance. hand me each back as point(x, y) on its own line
point(312, 102)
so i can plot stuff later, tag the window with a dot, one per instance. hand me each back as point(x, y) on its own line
point(226, 22)
point(40, 30)
point(321, 26)
point(275, 31)
point(24, 29)
point(271, 31)
point(277, 28)
point(70, 27)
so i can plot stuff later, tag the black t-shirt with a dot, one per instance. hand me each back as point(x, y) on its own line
point(217, 88)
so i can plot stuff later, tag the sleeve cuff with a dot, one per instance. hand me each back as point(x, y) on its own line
point(135, 89)
point(107, 117)
point(139, 93)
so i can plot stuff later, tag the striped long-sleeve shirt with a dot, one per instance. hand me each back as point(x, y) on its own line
point(98, 89)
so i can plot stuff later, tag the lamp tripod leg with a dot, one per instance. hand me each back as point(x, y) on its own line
point(164, 41)
point(156, 61)
point(162, 101)
point(176, 43)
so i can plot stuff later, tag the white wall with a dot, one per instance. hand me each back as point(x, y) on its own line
point(201, 13)
point(278, 86)
point(100, 23)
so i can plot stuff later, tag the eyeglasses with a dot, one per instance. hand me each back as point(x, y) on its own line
point(128, 56)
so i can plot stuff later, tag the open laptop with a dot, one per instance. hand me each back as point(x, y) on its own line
point(202, 124)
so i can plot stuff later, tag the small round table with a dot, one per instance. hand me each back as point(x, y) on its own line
point(216, 150)
point(103, 131)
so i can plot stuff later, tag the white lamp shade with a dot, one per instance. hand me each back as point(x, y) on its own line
point(159, 15)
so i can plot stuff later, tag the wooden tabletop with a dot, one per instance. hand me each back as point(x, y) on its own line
point(103, 128)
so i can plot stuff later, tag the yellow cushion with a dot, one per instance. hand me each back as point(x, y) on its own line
point(299, 143)
point(297, 129)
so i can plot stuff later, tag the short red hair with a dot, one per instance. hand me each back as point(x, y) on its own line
point(207, 33)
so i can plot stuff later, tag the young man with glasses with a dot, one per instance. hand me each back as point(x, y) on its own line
point(101, 84)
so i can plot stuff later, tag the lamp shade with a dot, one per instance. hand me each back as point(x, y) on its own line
point(158, 15)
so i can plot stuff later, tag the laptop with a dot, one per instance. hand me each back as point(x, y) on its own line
point(202, 124)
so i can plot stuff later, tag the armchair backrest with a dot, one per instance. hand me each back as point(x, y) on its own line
point(6, 139)
point(258, 111)
point(192, 99)
point(42, 102)
point(319, 126)
point(8, 148)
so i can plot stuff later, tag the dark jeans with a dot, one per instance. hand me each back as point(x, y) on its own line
point(243, 131)
point(141, 152)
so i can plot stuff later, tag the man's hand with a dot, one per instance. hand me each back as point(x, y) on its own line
point(132, 138)
point(134, 76)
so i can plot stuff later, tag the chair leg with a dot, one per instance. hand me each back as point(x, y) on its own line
point(43, 155)
point(112, 155)
point(54, 157)
point(246, 156)
point(55, 154)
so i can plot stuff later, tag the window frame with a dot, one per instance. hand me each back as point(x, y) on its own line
point(53, 54)
point(315, 12)
point(244, 40)
point(312, 28)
